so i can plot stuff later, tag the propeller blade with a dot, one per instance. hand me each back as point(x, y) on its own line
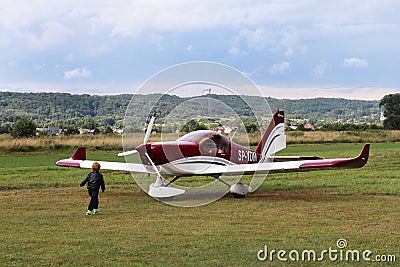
point(149, 128)
point(126, 153)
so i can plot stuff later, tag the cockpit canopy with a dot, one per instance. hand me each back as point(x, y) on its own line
point(210, 142)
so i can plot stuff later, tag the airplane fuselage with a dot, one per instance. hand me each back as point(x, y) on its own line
point(196, 150)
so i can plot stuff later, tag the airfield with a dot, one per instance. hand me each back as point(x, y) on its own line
point(43, 223)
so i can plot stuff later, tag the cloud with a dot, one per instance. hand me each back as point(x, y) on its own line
point(279, 67)
point(50, 34)
point(319, 70)
point(77, 74)
point(113, 37)
point(355, 62)
point(288, 52)
point(268, 39)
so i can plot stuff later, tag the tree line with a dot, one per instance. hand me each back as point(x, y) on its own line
point(103, 112)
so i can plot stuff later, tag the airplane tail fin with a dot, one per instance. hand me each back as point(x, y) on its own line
point(274, 138)
point(79, 154)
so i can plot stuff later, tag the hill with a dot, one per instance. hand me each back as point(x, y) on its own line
point(85, 110)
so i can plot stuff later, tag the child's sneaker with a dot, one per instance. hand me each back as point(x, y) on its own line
point(95, 211)
point(88, 213)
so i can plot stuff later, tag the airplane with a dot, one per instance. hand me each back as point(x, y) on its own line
point(209, 153)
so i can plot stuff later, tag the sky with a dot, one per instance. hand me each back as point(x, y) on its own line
point(290, 49)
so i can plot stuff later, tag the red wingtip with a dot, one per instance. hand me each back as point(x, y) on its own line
point(365, 153)
point(360, 160)
point(80, 154)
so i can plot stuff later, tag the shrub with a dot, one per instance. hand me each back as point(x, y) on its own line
point(24, 127)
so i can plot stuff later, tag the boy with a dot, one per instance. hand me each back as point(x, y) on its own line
point(94, 180)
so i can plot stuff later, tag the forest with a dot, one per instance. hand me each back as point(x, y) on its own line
point(89, 111)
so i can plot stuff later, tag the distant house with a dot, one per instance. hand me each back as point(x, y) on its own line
point(85, 131)
point(54, 130)
point(382, 117)
point(309, 126)
point(51, 130)
point(118, 131)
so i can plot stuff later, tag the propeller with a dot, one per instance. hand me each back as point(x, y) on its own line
point(149, 128)
point(145, 140)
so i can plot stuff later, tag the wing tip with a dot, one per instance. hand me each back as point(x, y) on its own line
point(365, 151)
point(362, 159)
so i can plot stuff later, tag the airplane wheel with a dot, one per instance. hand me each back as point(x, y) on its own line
point(238, 195)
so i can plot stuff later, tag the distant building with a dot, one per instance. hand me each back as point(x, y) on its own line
point(309, 126)
point(118, 131)
point(85, 131)
point(51, 130)
point(382, 117)
point(54, 130)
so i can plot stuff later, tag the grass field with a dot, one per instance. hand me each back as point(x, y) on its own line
point(42, 221)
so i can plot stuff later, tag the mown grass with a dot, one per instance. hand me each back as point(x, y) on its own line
point(42, 220)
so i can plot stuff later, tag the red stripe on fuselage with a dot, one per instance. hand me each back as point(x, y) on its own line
point(166, 152)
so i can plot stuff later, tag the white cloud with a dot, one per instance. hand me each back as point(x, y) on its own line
point(276, 40)
point(288, 52)
point(319, 70)
point(355, 62)
point(130, 18)
point(77, 73)
point(50, 34)
point(279, 67)
point(288, 38)
point(189, 47)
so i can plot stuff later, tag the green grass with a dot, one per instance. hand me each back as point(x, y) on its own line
point(42, 220)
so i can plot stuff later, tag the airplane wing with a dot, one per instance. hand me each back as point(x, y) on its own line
point(284, 164)
point(291, 166)
point(78, 160)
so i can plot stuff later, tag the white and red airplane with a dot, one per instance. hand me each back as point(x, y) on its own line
point(208, 153)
